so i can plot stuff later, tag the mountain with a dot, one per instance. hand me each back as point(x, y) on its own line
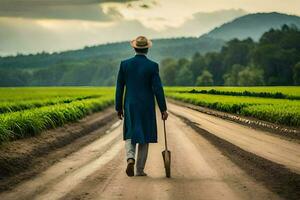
point(252, 25)
point(162, 48)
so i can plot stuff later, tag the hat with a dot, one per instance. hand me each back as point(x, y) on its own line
point(141, 42)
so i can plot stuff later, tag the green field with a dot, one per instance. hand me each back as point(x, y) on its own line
point(259, 102)
point(28, 111)
point(288, 91)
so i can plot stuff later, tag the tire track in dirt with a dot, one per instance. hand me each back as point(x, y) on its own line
point(199, 171)
point(84, 161)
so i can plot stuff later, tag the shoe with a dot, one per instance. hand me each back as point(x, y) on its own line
point(130, 167)
point(141, 174)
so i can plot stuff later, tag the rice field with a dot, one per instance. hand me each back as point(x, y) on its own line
point(279, 105)
point(289, 90)
point(27, 112)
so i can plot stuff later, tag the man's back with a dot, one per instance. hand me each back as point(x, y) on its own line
point(138, 76)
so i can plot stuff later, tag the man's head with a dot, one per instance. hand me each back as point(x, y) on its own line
point(141, 44)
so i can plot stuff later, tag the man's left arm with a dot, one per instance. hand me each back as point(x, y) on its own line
point(159, 93)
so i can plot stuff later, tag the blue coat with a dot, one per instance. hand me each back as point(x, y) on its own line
point(140, 77)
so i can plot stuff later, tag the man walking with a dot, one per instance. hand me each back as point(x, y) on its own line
point(140, 77)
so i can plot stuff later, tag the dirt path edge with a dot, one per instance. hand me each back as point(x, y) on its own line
point(22, 159)
point(274, 176)
point(282, 131)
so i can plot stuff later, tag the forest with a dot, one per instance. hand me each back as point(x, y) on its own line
point(273, 60)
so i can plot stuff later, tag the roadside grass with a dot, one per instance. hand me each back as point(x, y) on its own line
point(280, 111)
point(28, 104)
point(280, 92)
point(17, 94)
point(31, 122)
point(287, 114)
point(27, 112)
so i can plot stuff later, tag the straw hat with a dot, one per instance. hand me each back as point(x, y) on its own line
point(141, 42)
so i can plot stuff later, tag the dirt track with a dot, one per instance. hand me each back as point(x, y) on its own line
point(200, 170)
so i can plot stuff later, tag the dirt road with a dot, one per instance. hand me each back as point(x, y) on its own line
point(200, 170)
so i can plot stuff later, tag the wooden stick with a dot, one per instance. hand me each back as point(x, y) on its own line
point(165, 133)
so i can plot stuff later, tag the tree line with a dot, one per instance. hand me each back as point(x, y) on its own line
point(90, 72)
point(94, 66)
point(273, 60)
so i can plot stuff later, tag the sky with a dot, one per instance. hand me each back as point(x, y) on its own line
point(31, 26)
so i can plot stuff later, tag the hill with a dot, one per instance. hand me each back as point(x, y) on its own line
point(252, 25)
point(95, 65)
point(162, 48)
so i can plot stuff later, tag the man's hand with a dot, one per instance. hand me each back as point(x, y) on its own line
point(164, 115)
point(120, 114)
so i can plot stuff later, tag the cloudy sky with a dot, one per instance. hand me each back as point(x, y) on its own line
point(30, 26)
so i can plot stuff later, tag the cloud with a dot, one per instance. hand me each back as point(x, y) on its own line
point(58, 2)
point(59, 9)
point(18, 35)
point(31, 36)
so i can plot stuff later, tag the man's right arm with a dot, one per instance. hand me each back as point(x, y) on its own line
point(119, 92)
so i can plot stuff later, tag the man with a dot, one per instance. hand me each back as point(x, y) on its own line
point(141, 78)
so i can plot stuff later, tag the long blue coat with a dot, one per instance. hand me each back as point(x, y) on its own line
point(140, 77)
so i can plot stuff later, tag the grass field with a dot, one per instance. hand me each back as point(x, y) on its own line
point(279, 105)
point(292, 92)
point(28, 111)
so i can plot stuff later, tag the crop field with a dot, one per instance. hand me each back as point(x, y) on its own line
point(282, 92)
point(279, 105)
point(28, 111)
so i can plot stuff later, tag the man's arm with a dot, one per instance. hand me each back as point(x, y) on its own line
point(119, 92)
point(159, 93)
